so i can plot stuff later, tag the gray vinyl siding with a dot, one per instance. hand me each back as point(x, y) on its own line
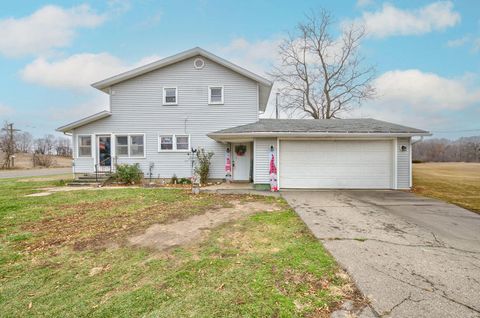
point(262, 160)
point(137, 107)
point(81, 164)
point(403, 163)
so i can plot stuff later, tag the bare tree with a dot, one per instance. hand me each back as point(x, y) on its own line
point(24, 141)
point(320, 76)
point(63, 147)
point(7, 144)
point(45, 145)
point(465, 149)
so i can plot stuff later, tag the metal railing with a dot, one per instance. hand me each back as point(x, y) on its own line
point(101, 168)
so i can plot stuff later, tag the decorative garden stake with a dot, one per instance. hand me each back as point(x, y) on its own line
point(228, 166)
point(273, 171)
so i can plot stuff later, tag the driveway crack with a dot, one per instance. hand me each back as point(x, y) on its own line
point(398, 244)
point(440, 292)
point(409, 298)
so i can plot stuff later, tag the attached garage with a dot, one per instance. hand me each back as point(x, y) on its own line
point(328, 153)
point(343, 164)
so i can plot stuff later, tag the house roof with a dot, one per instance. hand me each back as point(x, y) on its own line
point(319, 127)
point(265, 86)
point(84, 121)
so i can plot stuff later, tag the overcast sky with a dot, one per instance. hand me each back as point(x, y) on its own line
point(427, 53)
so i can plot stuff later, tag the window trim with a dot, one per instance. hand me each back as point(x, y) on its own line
point(91, 146)
point(210, 95)
point(164, 97)
point(129, 143)
point(174, 143)
point(116, 145)
point(160, 143)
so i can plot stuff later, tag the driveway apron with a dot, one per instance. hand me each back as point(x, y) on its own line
point(411, 256)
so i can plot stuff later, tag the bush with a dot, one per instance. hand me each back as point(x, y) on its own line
point(417, 161)
point(41, 160)
point(184, 181)
point(129, 173)
point(203, 165)
point(174, 179)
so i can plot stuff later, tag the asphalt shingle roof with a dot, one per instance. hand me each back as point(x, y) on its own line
point(362, 125)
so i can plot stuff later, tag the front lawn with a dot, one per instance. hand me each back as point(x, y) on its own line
point(454, 182)
point(67, 255)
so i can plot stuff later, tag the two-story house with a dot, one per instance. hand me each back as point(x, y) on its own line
point(161, 111)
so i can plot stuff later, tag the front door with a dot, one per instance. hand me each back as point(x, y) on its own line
point(104, 151)
point(241, 161)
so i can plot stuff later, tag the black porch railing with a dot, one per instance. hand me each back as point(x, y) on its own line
point(102, 168)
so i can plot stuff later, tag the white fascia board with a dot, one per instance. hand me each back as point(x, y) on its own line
point(314, 135)
point(84, 121)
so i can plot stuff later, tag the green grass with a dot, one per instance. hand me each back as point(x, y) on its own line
point(454, 182)
point(262, 266)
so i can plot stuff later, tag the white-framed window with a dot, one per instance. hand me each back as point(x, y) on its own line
point(130, 145)
point(170, 96)
point(182, 142)
point(121, 146)
point(215, 94)
point(166, 143)
point(84, 146)
point(137, 146)
point(178, 143)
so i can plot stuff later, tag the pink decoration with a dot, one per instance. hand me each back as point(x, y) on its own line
point(273, 172)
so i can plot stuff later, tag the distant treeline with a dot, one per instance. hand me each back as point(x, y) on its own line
point(465, 149)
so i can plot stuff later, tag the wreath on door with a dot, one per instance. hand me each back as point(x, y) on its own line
point(240, 150)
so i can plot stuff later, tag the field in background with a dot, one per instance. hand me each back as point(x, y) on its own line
point(454, 182)
point(24, 161)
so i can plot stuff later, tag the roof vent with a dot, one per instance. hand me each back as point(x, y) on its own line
point(198, 63)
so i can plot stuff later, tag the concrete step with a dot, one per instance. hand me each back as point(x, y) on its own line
point(83, 184)
point(92, 178)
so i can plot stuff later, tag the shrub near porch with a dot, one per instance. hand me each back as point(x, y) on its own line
point(66, 255)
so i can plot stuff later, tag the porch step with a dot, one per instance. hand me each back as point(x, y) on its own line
point(93, 177)
point(90, 179)
point(83, 184)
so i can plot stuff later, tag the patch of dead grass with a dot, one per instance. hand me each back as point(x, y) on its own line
point(108, 223)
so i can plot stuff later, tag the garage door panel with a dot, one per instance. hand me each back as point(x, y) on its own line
point(336, 164)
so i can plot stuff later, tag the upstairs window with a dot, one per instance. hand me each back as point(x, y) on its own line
point(215, 94)
point(170, 96)
point(84, 146)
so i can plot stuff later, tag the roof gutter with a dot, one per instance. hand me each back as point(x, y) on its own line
point(84, 121)
point(313, 134)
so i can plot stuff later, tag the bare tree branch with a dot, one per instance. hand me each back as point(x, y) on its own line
point(321, 77)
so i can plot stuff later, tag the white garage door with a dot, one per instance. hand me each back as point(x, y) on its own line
point(336, 164)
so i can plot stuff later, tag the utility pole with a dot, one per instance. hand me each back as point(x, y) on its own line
point(276, 105)
point(10, 146)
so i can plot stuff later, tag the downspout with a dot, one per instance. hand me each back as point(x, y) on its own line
point(410, 160)
point(414, 142)
point(73, 151)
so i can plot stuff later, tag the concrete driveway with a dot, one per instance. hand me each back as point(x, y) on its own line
point(412, 256)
